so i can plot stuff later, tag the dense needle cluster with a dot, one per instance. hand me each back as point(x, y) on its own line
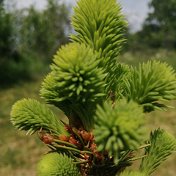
point(75, 84)
point(117, 130)
point(104, 102)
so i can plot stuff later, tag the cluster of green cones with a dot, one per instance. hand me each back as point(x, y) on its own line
point(104, 101)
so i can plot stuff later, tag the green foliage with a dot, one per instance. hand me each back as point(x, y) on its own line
point(32, 116)
point(100, 25)
point(164, 15)
point(162, 144)
point(158, 30)
point(151, 84)
point(57, 164)
point(102, 100)
point(6, 31)
point(123, 71)
point(42, 32)
point(9, 55)
point(75, 84)
point(117, 129)
point(29, 38)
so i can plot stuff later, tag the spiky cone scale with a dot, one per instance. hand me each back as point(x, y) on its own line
point(57, 164)
point(101, 25)
point(118, 128)
point(75, 84)
point(162, 144)
point(31, 116)
point(151, 84)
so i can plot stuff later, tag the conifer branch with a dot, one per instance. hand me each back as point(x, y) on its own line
point(122, 130)
point(162, 144)
point(76, 84)
point(101, 26)
point(32, 116)
point(151, 84)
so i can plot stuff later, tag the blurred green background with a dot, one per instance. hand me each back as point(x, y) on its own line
point(30, 37)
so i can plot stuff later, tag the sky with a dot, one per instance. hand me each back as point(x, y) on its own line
point(135, 10)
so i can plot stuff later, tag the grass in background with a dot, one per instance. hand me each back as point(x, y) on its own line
point(134, 57)
point(19, 153)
